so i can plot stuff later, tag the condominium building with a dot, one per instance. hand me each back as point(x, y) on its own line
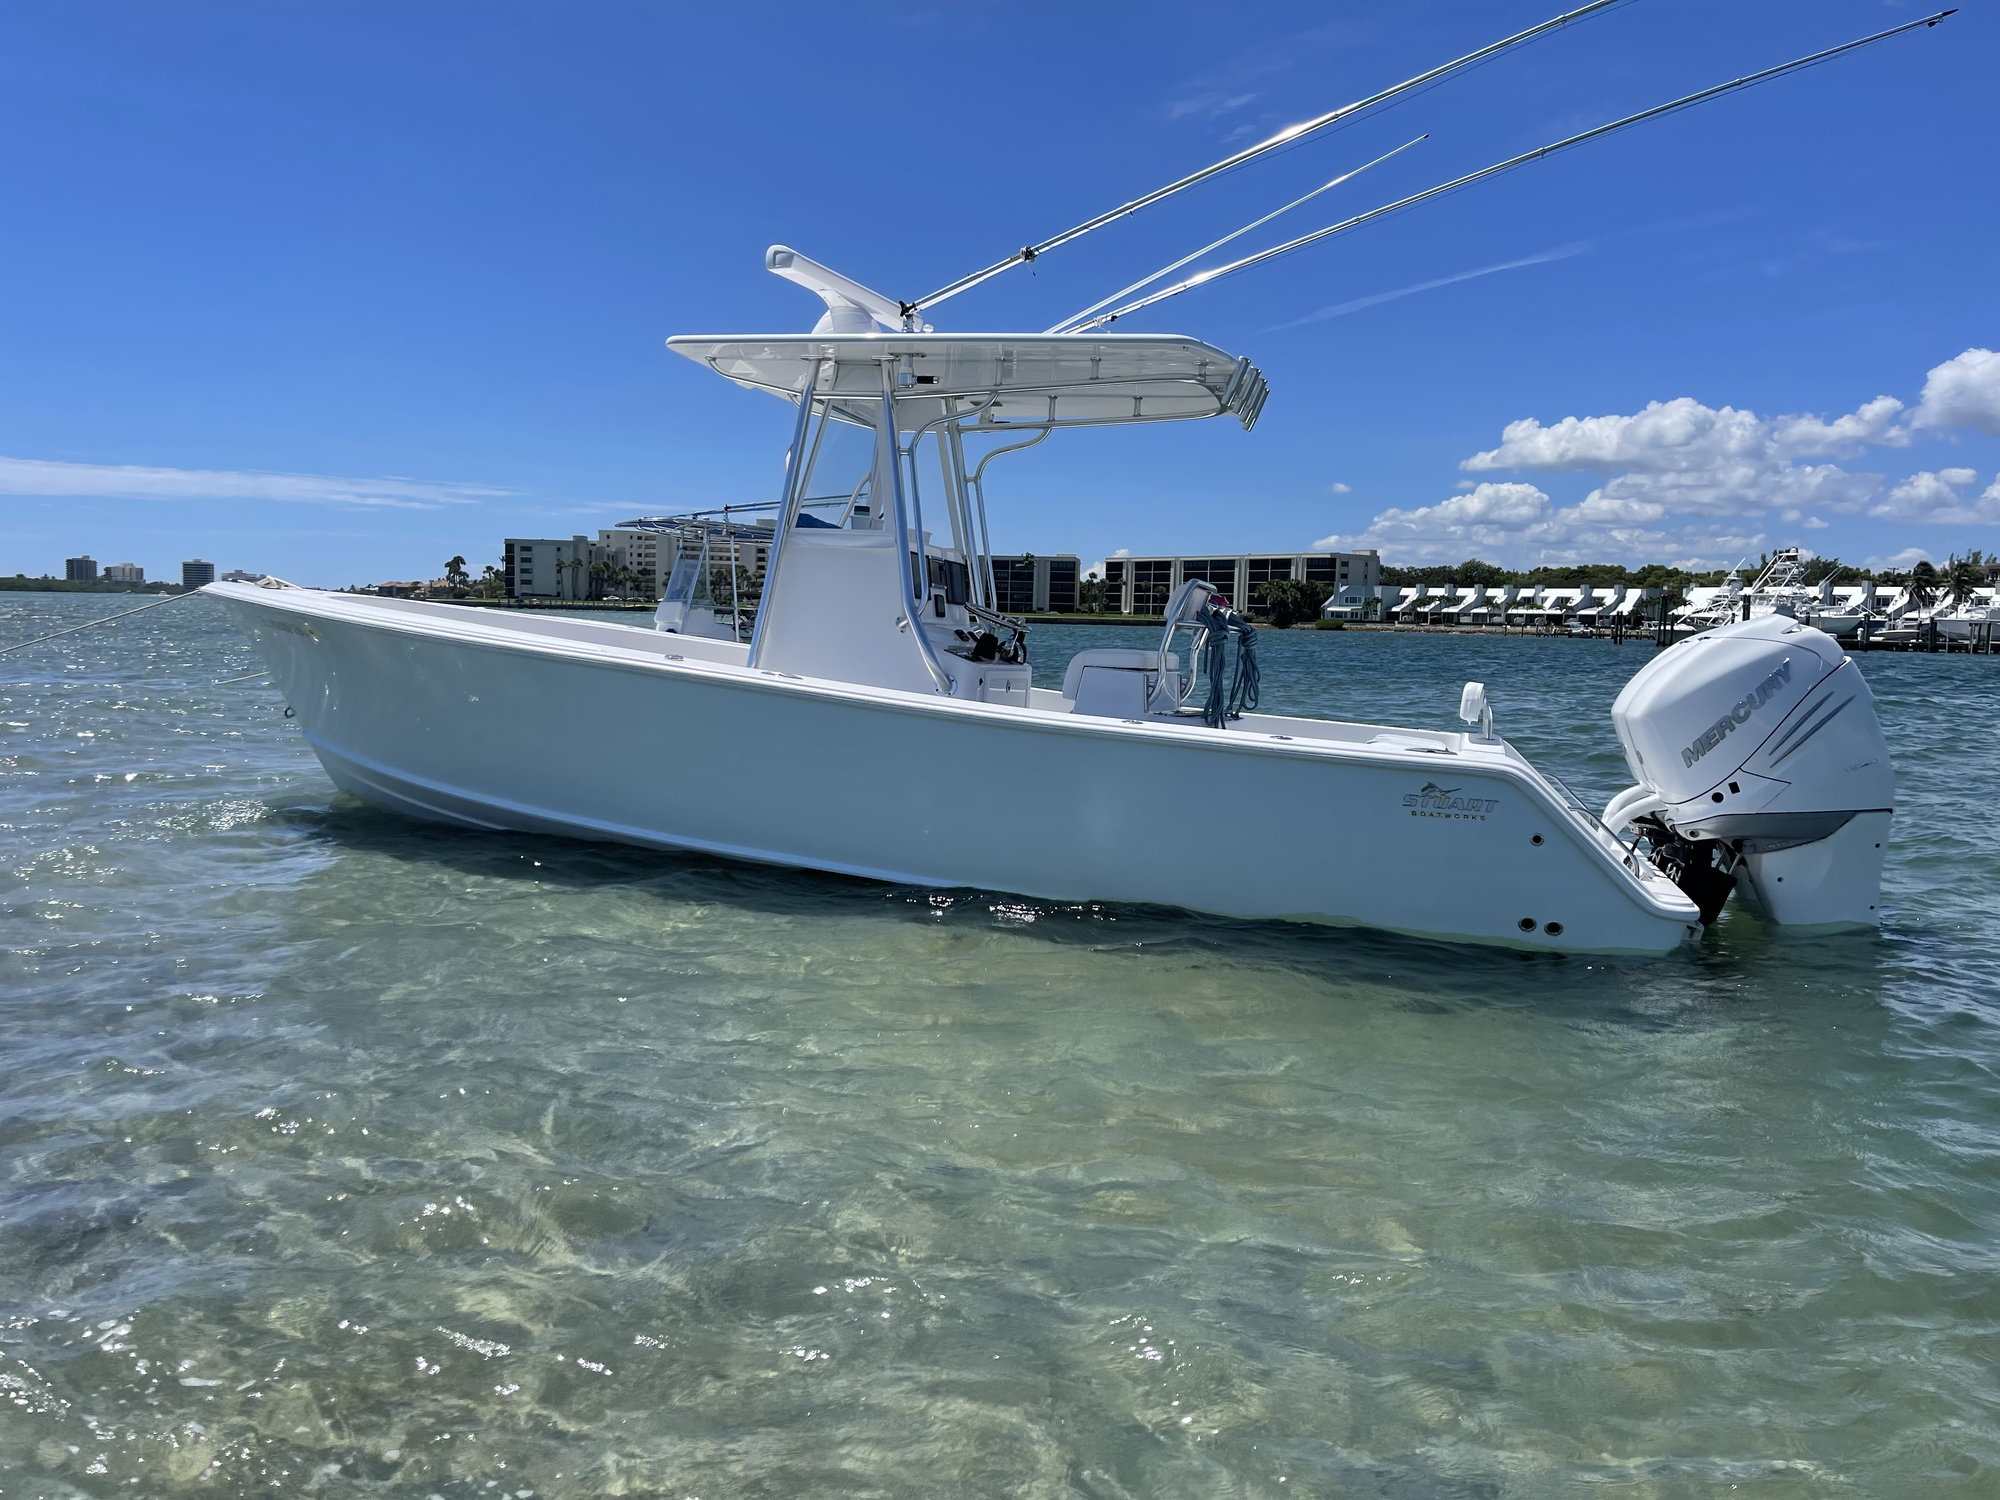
point(547, 567)
point(80, 569)
point(242, 575)
point(195, 573)
point(1141, 585)
point(1032, 585)
point(551, 568)
point(650, 544)
point(124, 573)
point(649, 551)
point(638, 549)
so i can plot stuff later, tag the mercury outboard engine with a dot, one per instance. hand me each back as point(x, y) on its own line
point(1761, 765)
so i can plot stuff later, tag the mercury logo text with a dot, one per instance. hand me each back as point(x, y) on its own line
point(1720, 730)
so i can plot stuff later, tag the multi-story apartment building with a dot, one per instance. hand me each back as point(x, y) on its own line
point(1031, 585)
point(195, 573)
point(124, 573)
point(80, 569)
point(547, 567)
point(551, 568)
point(1141, 585)
point(637, 548)
point(650, 546)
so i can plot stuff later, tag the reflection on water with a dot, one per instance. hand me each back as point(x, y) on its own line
point(341, 1155)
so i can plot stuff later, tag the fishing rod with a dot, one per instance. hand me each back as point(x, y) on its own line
point(1202, 278)
point(1285, 137)
point(1236, 234)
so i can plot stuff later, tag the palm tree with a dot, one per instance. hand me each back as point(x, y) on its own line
point(1922, 590)
point(455, 574)
point(1962, 579)
point(575, 566)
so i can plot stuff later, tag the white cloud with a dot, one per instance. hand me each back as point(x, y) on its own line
point(1600, 509)
point(1932, 498)
point(1678, 435)
point(55, 478)
point(1964, 391)
point(1511, 521)
point(1212, 104)
point(1675, 471)
point(1687, 457)
point(1900, 562)
point(1738, 487)
point(1340, 489)
point(1486, 512)
point(1698, 484)
point(1873, 423)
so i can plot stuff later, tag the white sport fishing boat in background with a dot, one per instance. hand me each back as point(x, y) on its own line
point(1973, 619)
point(1781, 589)
point(882, 720)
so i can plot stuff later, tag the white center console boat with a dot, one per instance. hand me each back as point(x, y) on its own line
point(881, 719)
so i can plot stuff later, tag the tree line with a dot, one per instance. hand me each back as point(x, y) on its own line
point(1965, 573)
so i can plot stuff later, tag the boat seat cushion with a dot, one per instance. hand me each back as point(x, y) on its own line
point(1119, 659)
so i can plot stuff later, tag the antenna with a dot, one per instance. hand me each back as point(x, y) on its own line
point(850, 306)
point(1285, 137)
point(1202, 278)
point(1237, 234)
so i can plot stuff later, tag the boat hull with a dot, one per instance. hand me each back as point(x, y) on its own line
point(461, 723)
point(1983, 625)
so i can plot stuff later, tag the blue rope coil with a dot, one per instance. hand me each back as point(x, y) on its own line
point(1239, 696)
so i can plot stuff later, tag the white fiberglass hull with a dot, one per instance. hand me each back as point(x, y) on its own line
point(492, 724)
point(1964, 627)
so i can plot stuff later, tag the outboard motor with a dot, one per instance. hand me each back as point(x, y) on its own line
point(1761, 765)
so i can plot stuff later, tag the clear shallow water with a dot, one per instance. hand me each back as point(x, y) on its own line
point(344, 1156)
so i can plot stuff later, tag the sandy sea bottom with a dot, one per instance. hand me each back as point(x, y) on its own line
point(345, 1156)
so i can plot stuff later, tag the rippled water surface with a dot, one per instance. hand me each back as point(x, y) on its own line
point(344, 1156)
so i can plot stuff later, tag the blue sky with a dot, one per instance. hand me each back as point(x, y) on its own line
point(336, 290)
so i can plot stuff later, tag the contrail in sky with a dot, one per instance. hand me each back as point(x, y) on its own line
point(1341, 309)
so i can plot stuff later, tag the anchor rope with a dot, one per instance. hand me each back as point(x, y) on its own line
point(1240, 694)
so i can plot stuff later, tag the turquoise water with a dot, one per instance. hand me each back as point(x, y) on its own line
point(344, 1156)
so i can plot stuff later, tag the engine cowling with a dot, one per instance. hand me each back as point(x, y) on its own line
point(1756, 750)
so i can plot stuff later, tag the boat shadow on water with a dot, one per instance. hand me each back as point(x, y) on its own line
point(1742, 961)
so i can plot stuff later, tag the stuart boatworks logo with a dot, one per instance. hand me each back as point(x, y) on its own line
point(1436, 801)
